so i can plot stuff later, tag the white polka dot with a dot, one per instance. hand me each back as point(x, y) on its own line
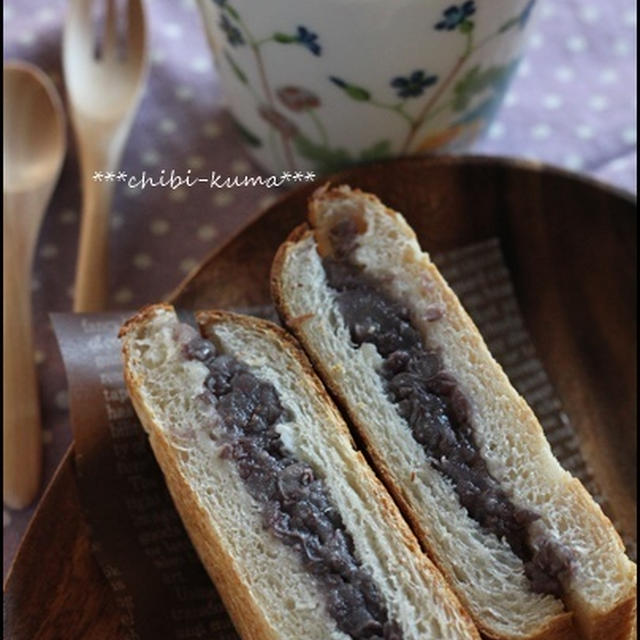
point(35, 284)
point(621, 47)
point(6, 516)
point(47, 436)
point(117, 220)
point(552, 101)
point(589, 14)
point(178, 195)
point(573, 161)
point(159, 227)
point(564, 74)
point(619, 165)
point(496, 130)
point(26, 38)
point(201, 64)
point(629, 135)
point(188, 264)
point(598, 103)
point(536, 41)
point(547, 10)
point(608, 76)
point(541, 131)
point(122, 296)
point(195, 162)
point(240, 166)
point(207, 232)
point(577, 44)
point(68, 216)
point(184, 93)
point(150, 157)
point(157, 56)
point(142, 261)
point(49, 251)
point(511, 99)
point(266, 202)
point(584, 131)
point(167, 126)
point(524, 69)
point(39, 356)
point(223, 198)
point(45, 15)
point(61, 400)
point(172, 30)
point(211, 129)
point(630, 18)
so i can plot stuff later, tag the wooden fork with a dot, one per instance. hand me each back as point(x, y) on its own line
point(104, 78)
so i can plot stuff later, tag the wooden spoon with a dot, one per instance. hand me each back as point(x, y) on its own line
point(104, 73)
point(33, 151)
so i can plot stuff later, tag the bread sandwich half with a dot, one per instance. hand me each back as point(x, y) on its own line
point(521, 542)
point(299, 536)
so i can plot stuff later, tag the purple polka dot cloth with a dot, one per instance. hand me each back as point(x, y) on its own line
point(571, 104)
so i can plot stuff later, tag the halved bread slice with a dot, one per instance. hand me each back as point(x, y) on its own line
point(489, 578)
point(269, 591)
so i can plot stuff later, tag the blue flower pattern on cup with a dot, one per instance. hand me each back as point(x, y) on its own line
point(309, 39)
point(413, 85)
point(302, 36)
point(456, 15)
point(454, 92)
point(234, 35)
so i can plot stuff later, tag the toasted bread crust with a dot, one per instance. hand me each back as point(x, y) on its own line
point(617, 622)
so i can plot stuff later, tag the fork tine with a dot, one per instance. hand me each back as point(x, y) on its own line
point(110, 44)
point(79, 13)
point(135, 27)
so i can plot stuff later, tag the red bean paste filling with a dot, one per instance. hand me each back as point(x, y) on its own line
point(437, 412)
point(296, 505)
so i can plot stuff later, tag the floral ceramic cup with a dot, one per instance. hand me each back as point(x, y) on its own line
point(322, 85)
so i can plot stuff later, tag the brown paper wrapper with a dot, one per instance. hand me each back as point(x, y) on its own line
point(138, 539)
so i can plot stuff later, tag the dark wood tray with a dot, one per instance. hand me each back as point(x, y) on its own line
point(570, 246)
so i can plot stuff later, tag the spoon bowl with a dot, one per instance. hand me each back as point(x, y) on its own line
point(33, 127)
point(33, 151)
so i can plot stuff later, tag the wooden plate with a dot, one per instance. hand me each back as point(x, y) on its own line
point(570, 246)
